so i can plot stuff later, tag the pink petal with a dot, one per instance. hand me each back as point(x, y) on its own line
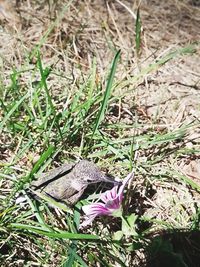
point(109, 194)
point(87, 221)
point(95, 209)
point(125, 181)
point(113, 204)
point(112, 201)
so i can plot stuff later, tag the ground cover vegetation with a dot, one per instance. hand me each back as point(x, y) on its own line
point(116, 82)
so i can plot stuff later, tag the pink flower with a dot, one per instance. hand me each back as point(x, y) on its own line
point(111, 204)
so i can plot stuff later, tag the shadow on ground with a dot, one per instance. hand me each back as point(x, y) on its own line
point(175, 249)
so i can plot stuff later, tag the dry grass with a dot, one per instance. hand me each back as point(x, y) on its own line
point(157, 104)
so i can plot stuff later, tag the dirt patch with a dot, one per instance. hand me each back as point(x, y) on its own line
point(70, 37)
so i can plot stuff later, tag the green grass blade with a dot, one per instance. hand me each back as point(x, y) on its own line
point(190, 49)
point(52, 201)
point(43, 157)
point(20, 184)
point(65, 235)
point(73, 256)
point(138, 32)
point(188, 181)
point(12, 110)
point(44, 74)
point(104, 104)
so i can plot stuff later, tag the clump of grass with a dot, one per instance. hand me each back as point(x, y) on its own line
point(42, 127)
point(37, 126)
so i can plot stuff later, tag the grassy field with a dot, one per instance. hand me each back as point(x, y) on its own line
point(115, 82)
